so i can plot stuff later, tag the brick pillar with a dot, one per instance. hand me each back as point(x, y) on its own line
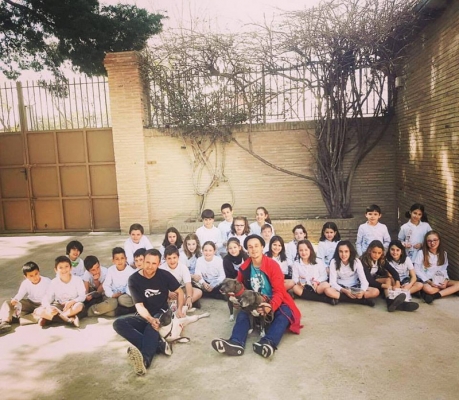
point(127, 110)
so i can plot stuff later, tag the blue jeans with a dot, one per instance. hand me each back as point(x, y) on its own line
point(281, 322)
point(140, 333)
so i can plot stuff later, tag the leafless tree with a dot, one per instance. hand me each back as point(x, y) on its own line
point(344, 52)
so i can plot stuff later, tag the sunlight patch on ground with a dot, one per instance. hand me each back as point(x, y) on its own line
point(20, 246)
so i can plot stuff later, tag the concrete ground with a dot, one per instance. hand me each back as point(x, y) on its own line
point(344, 352)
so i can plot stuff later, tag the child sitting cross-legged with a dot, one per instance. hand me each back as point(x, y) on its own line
point(118, 300)
point(310, 276)
point(29, 296)
point(64, 297)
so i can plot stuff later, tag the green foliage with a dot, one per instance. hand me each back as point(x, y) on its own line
point(37, 35)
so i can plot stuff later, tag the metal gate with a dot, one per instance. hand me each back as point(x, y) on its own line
point(57, 179)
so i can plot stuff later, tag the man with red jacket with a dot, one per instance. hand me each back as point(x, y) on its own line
point(262, 274)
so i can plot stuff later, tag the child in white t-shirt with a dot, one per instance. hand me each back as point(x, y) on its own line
point(93, 280)
point(208, 232)
point(225, 225)
point(137, 240)
point(372, 230)
point(64, 297)
point(29, 296)
point(182, 274)
point(118, 300)
point(74, 250)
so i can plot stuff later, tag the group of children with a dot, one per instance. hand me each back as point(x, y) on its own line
point(415, 263)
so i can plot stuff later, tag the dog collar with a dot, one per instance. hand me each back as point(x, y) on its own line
point(240, 292)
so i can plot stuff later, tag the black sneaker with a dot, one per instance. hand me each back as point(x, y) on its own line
point(197, 304)
point(393, 304)
point(369, 302)
point(226, 347)
point(136, 360)
point(428, 298)
point(408, 306)
point(5, 327)
point(263, 349)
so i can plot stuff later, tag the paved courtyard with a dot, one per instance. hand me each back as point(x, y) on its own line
point(343, 352)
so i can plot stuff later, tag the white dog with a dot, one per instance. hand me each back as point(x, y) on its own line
point(172, 326)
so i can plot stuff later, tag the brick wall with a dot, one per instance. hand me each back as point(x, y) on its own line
point(251, 183)
point(127, 109)
point(428, 129)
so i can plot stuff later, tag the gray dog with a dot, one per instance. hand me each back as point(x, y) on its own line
point(233, 289)
point(250, 301)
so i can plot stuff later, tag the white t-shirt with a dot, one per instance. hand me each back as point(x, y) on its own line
point(326, 250)
point(413, 234)
point(211, 271)
point(87, 277)
point(116, 281)
point(63, 292)
point(181, 272)
point(426, 274)
point(33, 292)
point(309, 272)
point(209, 235)
point(346, 277)
point(130, 247)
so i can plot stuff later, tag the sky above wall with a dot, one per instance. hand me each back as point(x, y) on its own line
point(224, 14)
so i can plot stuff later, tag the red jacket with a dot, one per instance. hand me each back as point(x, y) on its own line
point(280, 296)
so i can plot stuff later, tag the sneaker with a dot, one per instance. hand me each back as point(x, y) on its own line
point(263, 349)
point(393, 304)
point(197, 305)
point(136, 360)
point(165, 348)
point(428, 298)
point(369, 302)
point(5, 327)
point(42, 322)
point(226, 347)
point(408, 306)
point(334, 302)
point(75, 321)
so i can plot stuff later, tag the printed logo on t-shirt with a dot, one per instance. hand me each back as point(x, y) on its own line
point(152, 292)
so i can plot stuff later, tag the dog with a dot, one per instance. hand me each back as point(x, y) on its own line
point(171, 326)
point(232, 289)
point(250, 302)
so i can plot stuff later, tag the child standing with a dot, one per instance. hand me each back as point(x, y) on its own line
point(431, 266)
point(182, 274)
point(291, 249)
point(73, 251)
point(398, 259)
point(225, 225)
point(329, 238)
point(172, 237)
point(64, 296)
point(412, 233)
point(380, 274)
point(234, 259)
point(348, 278)
point(208, 232)
point(191, 252)
point(240, 229)
point(93, 280)
point(116, 287)
point(372, 230)
point(209, 272)
point(310, 277)
point(29, 296)
point(261, 218)
point(137, 240)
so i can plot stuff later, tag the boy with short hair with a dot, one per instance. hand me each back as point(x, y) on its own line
point(299, 233)
point(117, 294)
point(64, 296)
point(137, 240)
point(73, 250)
point(93, 280)
point(182, 274)
point(139, 257)
point(208, 232)
point(266, 234)
point(225, 225)
point(372, 230)
point(28, 298)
